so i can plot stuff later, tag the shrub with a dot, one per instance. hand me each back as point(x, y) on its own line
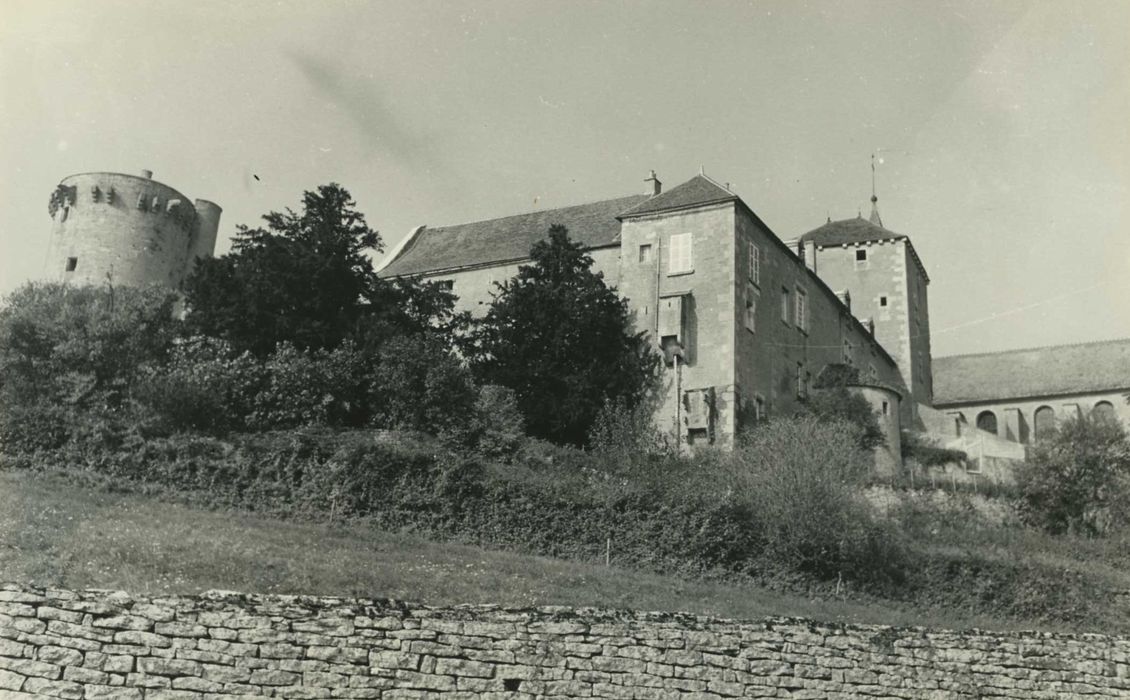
point(72, 356)
point(801, 477)
point(1078, 480)
point(917, 447)
point(205, 386)
point(419, 384)
point(842, 404)
point(498, 426)
point(311, 387)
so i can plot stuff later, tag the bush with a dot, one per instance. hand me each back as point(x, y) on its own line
point(801, 477)
point(205, 386)
point(1078, 480)
point(71, 358)
point(311, 387)
point(420, 384)
point(498, 426)
point(918, 448)
point(842, 404)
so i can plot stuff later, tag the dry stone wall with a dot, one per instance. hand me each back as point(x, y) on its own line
point(104, 644)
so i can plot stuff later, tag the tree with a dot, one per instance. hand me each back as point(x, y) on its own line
point(304, 279)
point(71, 355)
point(1078, 479)
point(834, 400)
point(563, 342)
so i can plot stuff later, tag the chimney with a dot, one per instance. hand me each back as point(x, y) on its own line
point(147, 174)
point(656, 186)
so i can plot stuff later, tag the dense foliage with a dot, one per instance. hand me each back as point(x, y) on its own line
point(73, 357)
point(563, 342)
point(1078, 480)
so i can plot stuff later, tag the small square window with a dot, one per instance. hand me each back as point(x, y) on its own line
point(645, 253)
point(882, 301)
point(861, 255)
point(72, 263)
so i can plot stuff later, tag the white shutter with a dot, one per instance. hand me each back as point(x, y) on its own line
point(680, 254)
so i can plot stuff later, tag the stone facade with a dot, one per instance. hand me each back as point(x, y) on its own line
point(103, 644)
point(744, 325)
point(126, 229)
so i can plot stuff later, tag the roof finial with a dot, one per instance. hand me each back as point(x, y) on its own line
point(874, 199)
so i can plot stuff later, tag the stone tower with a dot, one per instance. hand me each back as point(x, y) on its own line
point(129, 229)
point(883, 281)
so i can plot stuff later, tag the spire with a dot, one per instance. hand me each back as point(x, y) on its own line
point(874, 200)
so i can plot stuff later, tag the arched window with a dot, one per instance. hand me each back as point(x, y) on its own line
point(1104, 410)
point(1045, 422)
point(987, 421)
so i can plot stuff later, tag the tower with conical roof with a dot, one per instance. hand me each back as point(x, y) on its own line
point(886, 282)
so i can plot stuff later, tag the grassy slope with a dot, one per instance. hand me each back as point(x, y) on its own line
point(53, 532)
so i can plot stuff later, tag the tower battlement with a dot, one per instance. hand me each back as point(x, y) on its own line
point(130, 229)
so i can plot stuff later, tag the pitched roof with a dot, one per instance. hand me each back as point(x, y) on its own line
point(858, 230)
point(507, 239)
point(1048, 371)
point(697, 191)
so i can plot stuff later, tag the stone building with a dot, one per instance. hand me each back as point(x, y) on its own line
point(743, 322)
point(128, 229)
point(1020, 395)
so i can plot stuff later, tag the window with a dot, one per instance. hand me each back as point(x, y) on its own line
point(886, 409)
point(446, 285)
point(861, 259)
point(1045, 422)
point(882, 301)
point(785, 302)
point(1103, 410)
point(847, 353)
point(645, 253)
point(682, 259)
point(987, 421)
point(72, 263)
point(751, 307)
point(801, 309)
point(754, 263)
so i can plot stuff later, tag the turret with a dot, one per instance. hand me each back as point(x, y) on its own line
point(203, 243)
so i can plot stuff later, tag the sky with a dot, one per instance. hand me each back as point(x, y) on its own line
point(1001, 130)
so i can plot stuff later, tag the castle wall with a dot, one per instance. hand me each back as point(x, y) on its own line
point(1016, 419)
point(706, 371)
point(127, 229)
point(103, 644)
point(902, 323)
point(777, 360)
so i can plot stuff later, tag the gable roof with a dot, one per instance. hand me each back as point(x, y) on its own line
point(1033, 372)
point(698, 191)
point(507, 239)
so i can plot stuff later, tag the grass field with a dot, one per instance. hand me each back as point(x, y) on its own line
point(54, 532)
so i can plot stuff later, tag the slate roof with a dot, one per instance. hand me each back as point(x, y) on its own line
point(1033, 372)
point(849, 231)
point(859, 230)
point(697, 191)
point(509, 238)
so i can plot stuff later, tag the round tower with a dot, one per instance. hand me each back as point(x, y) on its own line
point(127, 229)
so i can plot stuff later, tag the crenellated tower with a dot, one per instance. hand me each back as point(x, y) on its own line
point(129, 229)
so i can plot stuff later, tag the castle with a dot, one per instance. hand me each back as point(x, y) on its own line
point(126, 229)
point(746, 320)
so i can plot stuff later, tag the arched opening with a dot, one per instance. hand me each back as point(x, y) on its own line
point(1104, 410)
point(987, 421)
point(1045, 422)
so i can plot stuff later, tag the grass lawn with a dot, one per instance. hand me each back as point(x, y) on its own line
point(53, 532)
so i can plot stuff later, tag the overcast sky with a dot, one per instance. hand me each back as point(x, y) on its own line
point(1002, 130)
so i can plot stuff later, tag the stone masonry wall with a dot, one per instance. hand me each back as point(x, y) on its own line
point(104, 644)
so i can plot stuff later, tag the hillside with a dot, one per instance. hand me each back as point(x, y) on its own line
point(53, 532)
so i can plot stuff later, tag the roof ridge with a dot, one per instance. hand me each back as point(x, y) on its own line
point(1109, 341)
point(536, 211)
